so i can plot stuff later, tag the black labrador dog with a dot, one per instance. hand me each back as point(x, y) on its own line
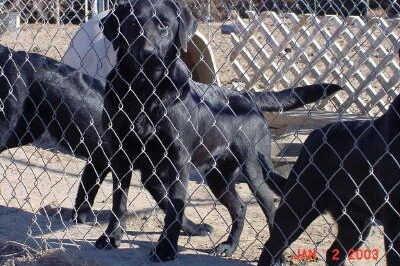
point(164, 124)
point(350, 170)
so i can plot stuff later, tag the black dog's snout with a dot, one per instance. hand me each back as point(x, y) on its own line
point(147, 52)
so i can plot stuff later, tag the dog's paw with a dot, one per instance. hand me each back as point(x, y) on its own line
point(198, 230)
point(281, 261)
point(225, 249)
point(108, 242)
point(163, 252)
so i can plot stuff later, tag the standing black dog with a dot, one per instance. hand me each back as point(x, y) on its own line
point(162, 123)
point(351, 170)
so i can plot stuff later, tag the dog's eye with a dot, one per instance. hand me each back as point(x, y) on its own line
point(163, 27)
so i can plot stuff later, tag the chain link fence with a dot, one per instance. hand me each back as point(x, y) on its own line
point(75, 138)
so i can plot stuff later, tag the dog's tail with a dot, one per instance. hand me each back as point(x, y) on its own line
point(289, 99)
point(275, 181)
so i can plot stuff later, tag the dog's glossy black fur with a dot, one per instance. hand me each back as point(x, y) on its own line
point(44, 99)
point(350, 170)
point(164, 124)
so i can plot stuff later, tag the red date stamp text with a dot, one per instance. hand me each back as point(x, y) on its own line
point(352, 254)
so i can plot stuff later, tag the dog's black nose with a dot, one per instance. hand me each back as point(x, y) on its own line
point(147, 51)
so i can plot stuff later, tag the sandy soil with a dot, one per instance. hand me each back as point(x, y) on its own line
point(38, 189)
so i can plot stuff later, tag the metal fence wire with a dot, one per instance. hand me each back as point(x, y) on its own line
point(239, 132)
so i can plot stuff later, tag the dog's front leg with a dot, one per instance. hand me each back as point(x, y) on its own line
point(167, 246)
point(92, 177)
point(122, 173)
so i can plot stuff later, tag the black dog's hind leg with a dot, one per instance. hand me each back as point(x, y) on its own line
point(223, 188)
point(349, 231)
point(167, 246)
point(122, 174)
point(157, 190)
point(264, 195)
point(294, 214)
point(392, 234)
point(93, 176)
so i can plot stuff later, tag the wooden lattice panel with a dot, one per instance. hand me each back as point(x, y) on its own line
point(275, 51)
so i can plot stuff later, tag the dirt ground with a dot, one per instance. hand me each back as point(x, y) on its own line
point(38, 188)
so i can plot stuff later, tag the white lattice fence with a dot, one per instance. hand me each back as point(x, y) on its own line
point(289, 50)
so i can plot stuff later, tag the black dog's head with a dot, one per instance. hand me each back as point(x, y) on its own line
point(151, 31)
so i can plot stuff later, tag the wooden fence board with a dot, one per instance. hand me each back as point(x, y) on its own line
point(276, 51)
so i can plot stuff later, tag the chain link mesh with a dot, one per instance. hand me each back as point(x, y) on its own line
point(53, 139)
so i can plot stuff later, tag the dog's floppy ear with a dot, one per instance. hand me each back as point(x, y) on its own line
point(187, 26)
point(111, 26)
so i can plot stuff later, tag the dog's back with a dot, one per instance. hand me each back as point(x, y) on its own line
point(342, 156)
point(355, 157)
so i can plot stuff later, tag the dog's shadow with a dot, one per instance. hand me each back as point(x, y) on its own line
point(65, 214)
point(52, 228)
